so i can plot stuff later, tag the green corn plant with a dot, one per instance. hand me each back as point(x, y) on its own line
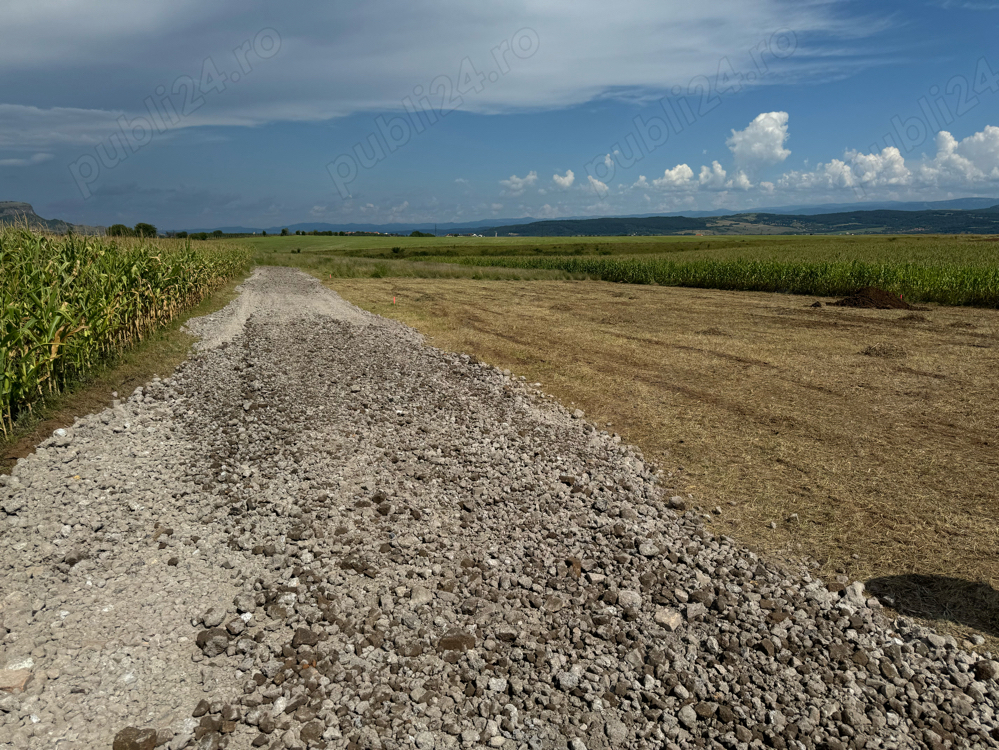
point(68, 303)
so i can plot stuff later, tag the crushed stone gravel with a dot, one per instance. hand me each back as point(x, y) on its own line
point(322, 533)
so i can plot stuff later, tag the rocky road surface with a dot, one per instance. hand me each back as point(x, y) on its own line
point(321, 533)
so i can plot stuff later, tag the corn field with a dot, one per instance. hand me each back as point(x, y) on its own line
point(68, 303)
point(945, 283)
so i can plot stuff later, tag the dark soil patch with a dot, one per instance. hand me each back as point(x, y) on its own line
point(876, 299)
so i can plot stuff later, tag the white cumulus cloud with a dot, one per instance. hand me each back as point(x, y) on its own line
point(679, 176)
point(973, 160)
point(564, 182)
point(713, 176)
point(854, 170)
point(597, 186)
point(517, 185)
point(762, 142)
point(740, 181)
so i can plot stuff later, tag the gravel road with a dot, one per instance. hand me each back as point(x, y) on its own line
point(322, 533)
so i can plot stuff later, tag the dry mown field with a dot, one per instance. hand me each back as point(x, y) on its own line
point(766, 407)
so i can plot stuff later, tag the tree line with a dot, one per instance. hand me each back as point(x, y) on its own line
point(139, 230)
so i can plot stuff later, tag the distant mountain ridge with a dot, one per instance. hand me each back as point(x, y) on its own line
point(982, 221)
point(16, 212)
point(396, 228)
point(492, 225)
point(975, 215)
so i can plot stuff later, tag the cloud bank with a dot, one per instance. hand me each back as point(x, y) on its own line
point(345, 58)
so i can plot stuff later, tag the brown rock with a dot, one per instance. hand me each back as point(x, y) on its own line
point(705, 709)
point(409, 649)
point(75, 556)
point(312, 732)
point(133, 738)
point(14, 680)
point(987, 670)
point(456, 640)
point(304, 637)
point(213, 641)
point(267, 724)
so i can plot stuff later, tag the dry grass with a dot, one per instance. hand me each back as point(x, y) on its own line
point(766, 407)
point(158, 354)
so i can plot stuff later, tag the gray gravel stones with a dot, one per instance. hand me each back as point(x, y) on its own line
point(381, 545)
point(568, 681)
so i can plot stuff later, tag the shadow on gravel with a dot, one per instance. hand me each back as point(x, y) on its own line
point(940, 598)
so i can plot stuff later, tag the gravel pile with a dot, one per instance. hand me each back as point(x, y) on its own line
point(320, 533)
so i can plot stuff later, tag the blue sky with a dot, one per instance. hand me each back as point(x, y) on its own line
point(114, 111)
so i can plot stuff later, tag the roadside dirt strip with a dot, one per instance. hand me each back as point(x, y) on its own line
point(321, 533)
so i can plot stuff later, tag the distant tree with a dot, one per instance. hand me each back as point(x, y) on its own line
point(284, 232)
point(144, 230)
point(181, 235)
point(119, 230)
point(421, 234)
point(201, 235)
point(264, 233)
point(218, 233)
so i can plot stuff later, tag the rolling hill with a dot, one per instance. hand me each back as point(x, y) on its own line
point(15, 212)
point(982, 221)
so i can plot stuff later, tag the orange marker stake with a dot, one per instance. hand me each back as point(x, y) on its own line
point(393, 300)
